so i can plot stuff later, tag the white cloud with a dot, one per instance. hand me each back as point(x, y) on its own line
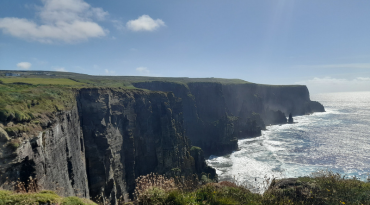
point(364, 79)
point(144, 23)
point(328, 84)
point(24, 65)
point(348, 65)
point(61, 21)
point(60, 69)
point(143, 70)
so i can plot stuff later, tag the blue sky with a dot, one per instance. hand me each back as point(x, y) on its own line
point(324, 44)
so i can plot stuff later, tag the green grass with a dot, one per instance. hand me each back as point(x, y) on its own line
point(324, 188)
point(114, 81)
point(43, 197)
point(31, 104)
point(41, 81)
point(195, 148)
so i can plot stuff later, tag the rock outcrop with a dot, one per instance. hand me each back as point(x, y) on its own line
point(290, 120)
point(56, 158)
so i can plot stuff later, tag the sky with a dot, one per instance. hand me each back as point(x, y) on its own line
point(322, 44)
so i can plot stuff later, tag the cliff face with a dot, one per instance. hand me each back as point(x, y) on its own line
point(205, 114)
point(128, 134)
point(56, 158)
point(218, 113)
point(103, 144)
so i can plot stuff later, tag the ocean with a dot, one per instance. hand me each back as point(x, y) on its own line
point(337, 140)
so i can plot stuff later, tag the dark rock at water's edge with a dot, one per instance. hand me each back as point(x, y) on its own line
point(275, 117)
point(217, 114)
point(290, 120)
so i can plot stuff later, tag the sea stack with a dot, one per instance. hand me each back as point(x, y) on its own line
point(290, 120)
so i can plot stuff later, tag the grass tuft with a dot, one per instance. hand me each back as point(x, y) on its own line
point(322, 187)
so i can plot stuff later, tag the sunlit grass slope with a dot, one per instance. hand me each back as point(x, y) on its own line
point(40, 81)
point(25, 102)
point(43, 197)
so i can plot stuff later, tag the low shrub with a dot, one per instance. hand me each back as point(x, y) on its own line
point(324, 188)
point(153, 189)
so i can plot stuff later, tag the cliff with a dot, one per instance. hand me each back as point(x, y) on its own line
point(217, 114)
point(55, 158)
point(100, 146)
point(129, 134)
point(90, 137)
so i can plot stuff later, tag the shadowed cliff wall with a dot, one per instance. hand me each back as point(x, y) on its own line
point(128, 134)
point(225, 112)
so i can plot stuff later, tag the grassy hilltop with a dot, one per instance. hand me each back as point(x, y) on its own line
point(103, 81)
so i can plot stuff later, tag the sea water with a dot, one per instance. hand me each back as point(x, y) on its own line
point(337, 140)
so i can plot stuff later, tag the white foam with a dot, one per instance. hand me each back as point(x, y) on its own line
point(329, 140)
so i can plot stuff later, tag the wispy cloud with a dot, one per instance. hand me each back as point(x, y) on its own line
point(118, 24)
point(143, 70)
point(66, 21)
point(348, 65)
point(144, 23)
point(329, 84)
point(24, 65)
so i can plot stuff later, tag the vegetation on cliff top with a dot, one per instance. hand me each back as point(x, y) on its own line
point(40, 81)
point(42, 197)
point(324, 188)
point(114, 81)
point(23, 103)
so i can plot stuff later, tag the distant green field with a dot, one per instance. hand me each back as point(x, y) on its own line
point(43, 81)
